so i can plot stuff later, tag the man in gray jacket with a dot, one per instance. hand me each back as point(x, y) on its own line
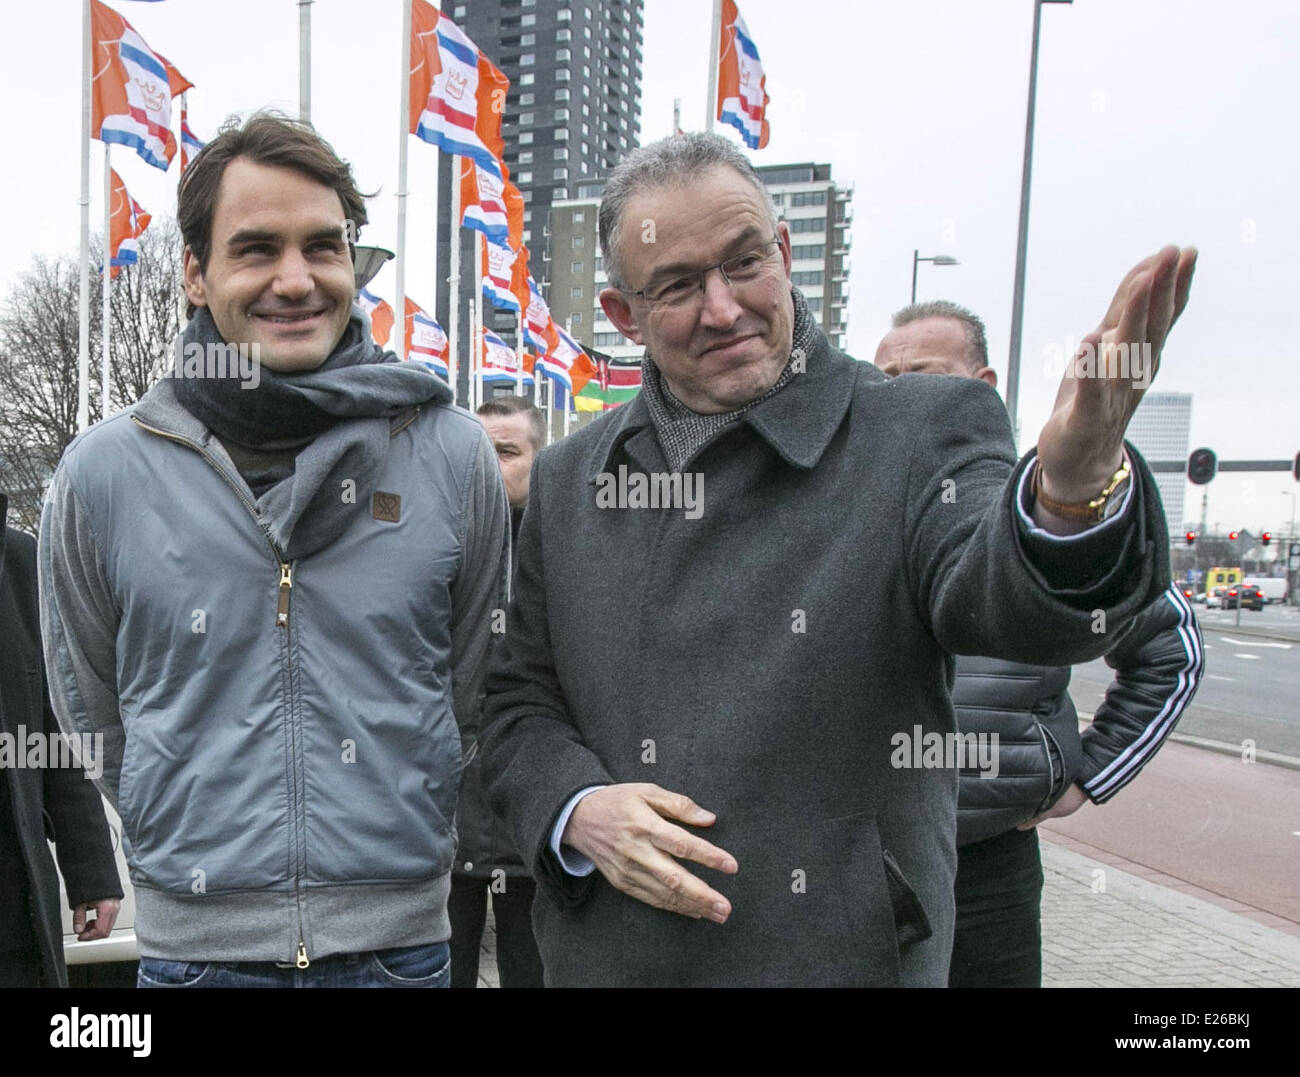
point(269, 585)
point(1044, 768)
point(735, 590)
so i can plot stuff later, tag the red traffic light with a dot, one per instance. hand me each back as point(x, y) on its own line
point(1234, 535)
point(1191, 537)
point(1266, 537)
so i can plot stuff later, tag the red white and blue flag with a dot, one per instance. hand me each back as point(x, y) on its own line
point(742, 92)
point(538, 328)
point(501, 362)
point(190, 143)
point(426, 343)
point(126, 222)
point(567, 363)
point(498, 271)
point(457, 94)
point(483, 202)
point(131, 89)
point(380, 315)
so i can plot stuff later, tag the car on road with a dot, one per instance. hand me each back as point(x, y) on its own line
point(1250, 597)
point(1216, 598)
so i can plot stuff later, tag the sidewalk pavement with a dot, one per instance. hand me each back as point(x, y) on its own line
point(1104, 927)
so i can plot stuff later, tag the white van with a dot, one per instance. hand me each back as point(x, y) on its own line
point(1274, 588)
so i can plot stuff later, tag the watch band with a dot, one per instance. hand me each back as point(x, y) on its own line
point(1088, 512)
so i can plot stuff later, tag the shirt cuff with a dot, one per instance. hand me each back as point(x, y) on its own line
point(574, 863)
point(1024, 504)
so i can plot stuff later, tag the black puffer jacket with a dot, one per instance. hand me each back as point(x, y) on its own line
point(483, 845)
point(1158, 663)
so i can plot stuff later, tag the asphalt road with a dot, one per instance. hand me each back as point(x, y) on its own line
point(1251, 686)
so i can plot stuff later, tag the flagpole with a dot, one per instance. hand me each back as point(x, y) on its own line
point(476, 360)
point(568, 402)
point(107, 290)
point(453, 286)
point(399, 311)
point(715, 43)
point(519, 371)
point(304, 57)
point(677, 115)
point(83, 321)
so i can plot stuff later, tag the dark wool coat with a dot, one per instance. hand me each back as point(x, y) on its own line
point(856, 530)
point(56, 803)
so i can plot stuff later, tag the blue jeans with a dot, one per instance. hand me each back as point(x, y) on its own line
point(407, 966)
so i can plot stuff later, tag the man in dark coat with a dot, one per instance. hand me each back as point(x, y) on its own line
point(1045, 768)
point(486, 862)
point(736, 590)
point(40, 802)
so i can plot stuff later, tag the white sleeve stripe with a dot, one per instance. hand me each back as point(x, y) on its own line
point(1126, 765)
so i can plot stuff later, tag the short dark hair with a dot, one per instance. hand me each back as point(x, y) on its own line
point(977, 345)
point(518, 405)
point(267, 138)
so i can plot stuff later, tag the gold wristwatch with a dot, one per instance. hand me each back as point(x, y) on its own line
point(1105, 504)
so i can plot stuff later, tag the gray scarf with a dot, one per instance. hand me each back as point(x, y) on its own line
point(683, 432)
point(343, 407)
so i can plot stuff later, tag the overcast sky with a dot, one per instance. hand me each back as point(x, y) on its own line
point(1159, 121)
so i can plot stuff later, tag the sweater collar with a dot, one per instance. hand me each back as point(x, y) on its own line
point(798, 422)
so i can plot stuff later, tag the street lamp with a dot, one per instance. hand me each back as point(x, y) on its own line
point(1022, 243)
point(366, 263)
point(938, 259)
point(1292, 599)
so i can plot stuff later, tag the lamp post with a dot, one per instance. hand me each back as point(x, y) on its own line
point(938, 259)
point(1291, 597)
point(1022, 242)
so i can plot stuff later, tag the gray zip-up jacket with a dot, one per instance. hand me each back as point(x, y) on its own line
point(278, 738)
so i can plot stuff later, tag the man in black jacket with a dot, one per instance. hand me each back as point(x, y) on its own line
point(41, 801)
point(486, 861)
point(1046, 769)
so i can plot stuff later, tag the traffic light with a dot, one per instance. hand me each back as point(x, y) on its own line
point(1266, 537)
point(1234, 535)
point(1191, 538)
point(1201, 466)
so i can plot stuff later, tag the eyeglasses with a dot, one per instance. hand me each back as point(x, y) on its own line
point(683, 290)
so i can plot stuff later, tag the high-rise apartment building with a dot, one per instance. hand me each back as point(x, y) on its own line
point(819, 215)
point(1159, 430)
point(573, 110)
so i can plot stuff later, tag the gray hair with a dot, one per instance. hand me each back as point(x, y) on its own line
point(671, 161)
point(977, 345)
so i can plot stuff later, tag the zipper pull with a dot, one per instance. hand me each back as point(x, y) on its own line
point(301, 960)
point(282, 605)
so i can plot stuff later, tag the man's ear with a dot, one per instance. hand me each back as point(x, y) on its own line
point(783, 234)
point(619, 311)
point(989, 375)
point(194, 289)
